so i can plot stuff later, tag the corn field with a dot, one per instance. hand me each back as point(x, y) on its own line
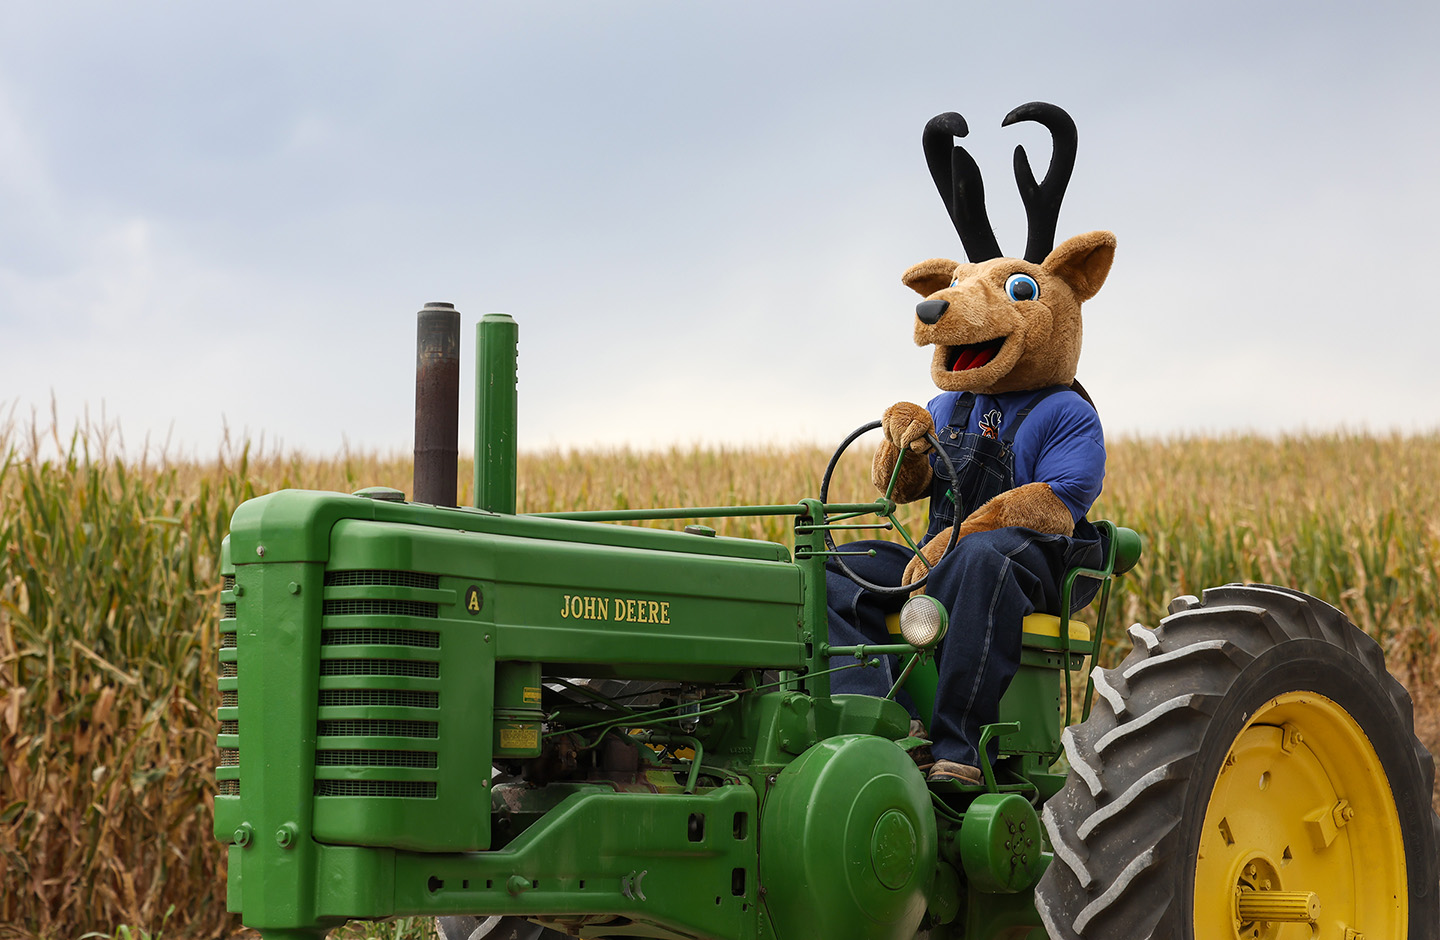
point(109, 581)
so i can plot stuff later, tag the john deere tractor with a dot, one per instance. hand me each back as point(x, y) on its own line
point(543, 724)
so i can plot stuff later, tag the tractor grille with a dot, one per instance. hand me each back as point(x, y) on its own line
point(227, 771)
point(378, 728)
point(367, 655)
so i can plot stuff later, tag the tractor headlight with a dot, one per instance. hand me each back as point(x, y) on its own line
point(923, 621)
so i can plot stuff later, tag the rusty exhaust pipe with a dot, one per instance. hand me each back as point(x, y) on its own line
point(437, 404)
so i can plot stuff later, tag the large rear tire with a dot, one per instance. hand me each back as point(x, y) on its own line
point(1250, 771)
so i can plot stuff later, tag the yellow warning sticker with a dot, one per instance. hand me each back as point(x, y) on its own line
point(531, 695)
point(522, 738)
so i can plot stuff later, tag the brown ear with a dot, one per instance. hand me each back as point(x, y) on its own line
point(927, 277)
point(1082, 262)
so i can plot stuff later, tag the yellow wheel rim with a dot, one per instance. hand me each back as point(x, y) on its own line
point(1302, 811)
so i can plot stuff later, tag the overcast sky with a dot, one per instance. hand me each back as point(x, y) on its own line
point(698, 212)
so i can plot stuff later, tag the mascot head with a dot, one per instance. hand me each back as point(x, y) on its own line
point(1005, 324)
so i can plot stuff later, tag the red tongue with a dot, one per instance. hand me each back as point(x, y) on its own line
point(973, 358)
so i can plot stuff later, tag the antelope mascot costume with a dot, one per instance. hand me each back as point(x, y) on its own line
point(1020, 432)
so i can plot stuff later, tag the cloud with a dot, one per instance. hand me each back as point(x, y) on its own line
point(698, 215)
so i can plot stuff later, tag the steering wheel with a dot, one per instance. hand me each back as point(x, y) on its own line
point(888, 514)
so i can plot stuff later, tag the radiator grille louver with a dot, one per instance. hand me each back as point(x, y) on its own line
point(425, 760)
point(405, 789)
point(427, 639)
point(419, 669)
point(377, 728)
point(227, 787)
point(376, 607)
point(382, 698)
point(414, 579)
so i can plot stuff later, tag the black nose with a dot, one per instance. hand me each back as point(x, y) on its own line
point(930, 311)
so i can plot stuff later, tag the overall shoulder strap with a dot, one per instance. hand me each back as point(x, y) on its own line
point(960, 413)
point(1079, 389)
point(1011, 427)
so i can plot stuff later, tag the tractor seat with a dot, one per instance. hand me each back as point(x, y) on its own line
point(1042, 631)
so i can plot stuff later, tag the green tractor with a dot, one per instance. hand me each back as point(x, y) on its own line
point(543, 724)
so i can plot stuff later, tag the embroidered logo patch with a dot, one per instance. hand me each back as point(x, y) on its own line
point(990, 423)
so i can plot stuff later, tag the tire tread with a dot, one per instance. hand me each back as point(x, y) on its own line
point(1115, 824)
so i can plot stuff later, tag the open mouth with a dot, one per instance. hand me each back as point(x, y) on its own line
point(973, 355)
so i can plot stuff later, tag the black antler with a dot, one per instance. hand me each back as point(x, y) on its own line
point(958, 178)
point(1042, 200)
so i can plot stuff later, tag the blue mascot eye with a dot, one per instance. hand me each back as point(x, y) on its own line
point(954, 282)
point(1021, 287)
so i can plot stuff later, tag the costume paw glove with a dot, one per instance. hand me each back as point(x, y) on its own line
point(906, 425)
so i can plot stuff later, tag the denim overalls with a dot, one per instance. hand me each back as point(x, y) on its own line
point(985, 464)
point(988, 582)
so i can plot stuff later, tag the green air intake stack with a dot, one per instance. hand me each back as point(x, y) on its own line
point(497, 341)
